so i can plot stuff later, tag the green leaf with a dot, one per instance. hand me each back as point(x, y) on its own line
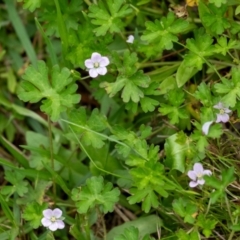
point(31, 5)
point(145, 225)
point(147, 181)
point(18, 184)
point(237, 10)
point(95, 194)
point(108, 16)
point(173, 109)
point(184, 208)
point(220, 184)
point(176, 151)
point(89, 127)
point(35, 194)
point(199, 49)
point(215, 18)
point(223, 45)
point(130, 233)
point(83, 43)
point(33, 213)
point(70, 11)
point(148, 104)
point(184, 73)
point(130, 80)
point(230, 88)
point(218, 3)
point(203, 94)
point(207, 224)
point(162, 33)
point(58, 92)
point(183, 235)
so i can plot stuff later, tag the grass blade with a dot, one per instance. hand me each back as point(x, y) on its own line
point(21, 31)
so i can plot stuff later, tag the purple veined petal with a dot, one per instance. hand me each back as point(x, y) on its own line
point(48, 213)
point(206, 126)
point(219, 118)
point(227, 110)
point(191, 174)
point(207, 172)
point(89, 63)
point(218, 106)
point(60, 224)
point(193, 184)
point(53, 227)
point(46, 222)
point(57, 212)
point(130, 39)
point(93, 72)
point(102, 70)
point(222, 118)
point(200, 181)
point(96, 57)
point(198, 168)
point(104, 62)
point(225, 117)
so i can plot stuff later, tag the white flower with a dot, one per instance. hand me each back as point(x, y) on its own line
point(223, 115)
point(96, 65)
point(52, 219)
point(130, 39)
point(206, 126)
point(197, 175)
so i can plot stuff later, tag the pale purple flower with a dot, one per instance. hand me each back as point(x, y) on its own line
point(53, 219)
point(206, 126)
point(96, 65)
point(130, 39)
point(197, 175)
point(223, 115)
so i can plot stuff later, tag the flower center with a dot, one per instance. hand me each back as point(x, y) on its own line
point(53, 219)
point(96, 65)
point(199, 175)
point(221, 111)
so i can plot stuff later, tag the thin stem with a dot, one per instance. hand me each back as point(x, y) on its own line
point(228, 209)
point(208, 208)
point(103, 224)
point(87, 229)
point(51, 155)
point(206, 61)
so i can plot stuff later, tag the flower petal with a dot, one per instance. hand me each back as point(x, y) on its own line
point(191, 174)
point(207, 172)
point(60, 224)
point(57, 213)
point(130, 39)
point(225, 117)
point(222, 118)
point(201, 181)
point(93, 72)
point(53, 226)
point(206, 126)
point(193, 184)
point(48, 213)
point(218, 106)
point(102, 70)
point(89, 63)
point(104, 62)
point(198, 168)
point(46, 222)
point(96, 57)
point(227, 110)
